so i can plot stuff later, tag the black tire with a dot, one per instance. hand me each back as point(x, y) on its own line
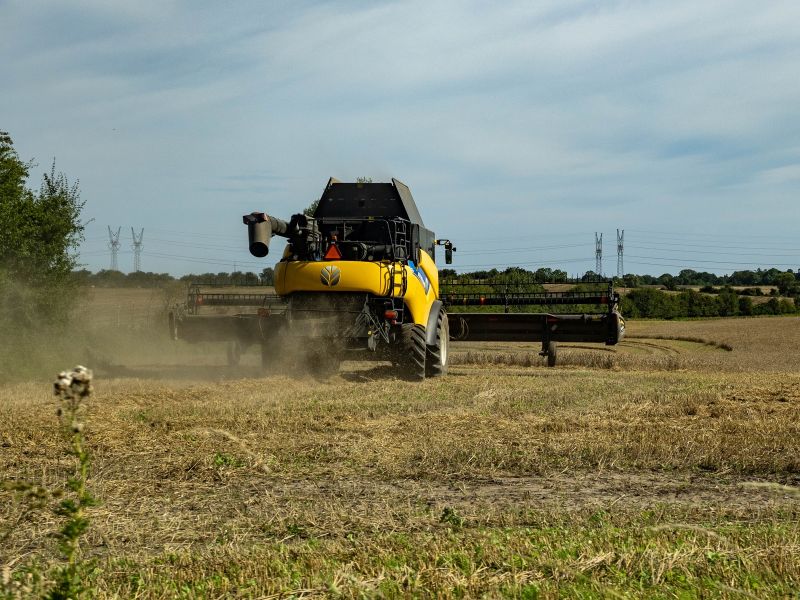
point(437, 355)
point(552, 354)
point(412, 351)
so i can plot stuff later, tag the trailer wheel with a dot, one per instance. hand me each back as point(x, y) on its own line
point(412, 351)
point(437, 355)
point(552, 354)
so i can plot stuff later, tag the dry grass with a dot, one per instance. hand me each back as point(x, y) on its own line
point(344, 484)
point(758, 343)
point(501, 479)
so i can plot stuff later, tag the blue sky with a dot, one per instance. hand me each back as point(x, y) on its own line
point(521, 127)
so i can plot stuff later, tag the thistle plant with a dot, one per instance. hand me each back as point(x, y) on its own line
point(73, 389)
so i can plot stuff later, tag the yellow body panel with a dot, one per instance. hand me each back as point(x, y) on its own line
point(355, 276)
point(377, 278)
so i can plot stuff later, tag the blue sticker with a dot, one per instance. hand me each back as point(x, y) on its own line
point(423, 279)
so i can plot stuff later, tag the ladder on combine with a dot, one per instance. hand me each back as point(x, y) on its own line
point(398, 230)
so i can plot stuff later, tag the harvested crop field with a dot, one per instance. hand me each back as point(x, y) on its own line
point(666, 467)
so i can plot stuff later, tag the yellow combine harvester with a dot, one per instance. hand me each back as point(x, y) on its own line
point(360, 274)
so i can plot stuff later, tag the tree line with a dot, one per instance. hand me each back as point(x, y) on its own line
point(651, 303)
point(784, 280)
point(143, 279)
point(642, 300)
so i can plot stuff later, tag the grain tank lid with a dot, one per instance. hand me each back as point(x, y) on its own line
point(408, 202)
point(392, 200)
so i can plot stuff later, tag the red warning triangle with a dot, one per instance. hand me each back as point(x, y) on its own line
point(332, 253)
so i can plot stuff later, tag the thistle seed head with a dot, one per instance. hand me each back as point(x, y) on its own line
point(62, 383)
point(75, 384)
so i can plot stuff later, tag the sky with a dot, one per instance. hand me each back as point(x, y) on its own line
point(522, 128)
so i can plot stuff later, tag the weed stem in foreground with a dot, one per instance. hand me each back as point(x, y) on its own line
point(73, 389)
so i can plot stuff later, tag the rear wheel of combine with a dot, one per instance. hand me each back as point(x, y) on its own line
point(437, 354)
point(552, 354)
point(412, 351)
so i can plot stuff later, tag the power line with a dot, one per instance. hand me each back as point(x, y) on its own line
point(732, 236)
point(571, 234)
point(100, 252)
point(529, 248)
point(200, 234)
point(721, 262)
point(527, 264)
point(715, 252)
point(736, 246)
point(201, 259)
point(620, 249)
point(242, 247)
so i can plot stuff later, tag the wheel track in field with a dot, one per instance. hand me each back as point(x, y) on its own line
point(651, 347)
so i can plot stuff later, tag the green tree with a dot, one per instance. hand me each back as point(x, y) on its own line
point(39, 233)
point(728, 302)
point(668, 281)
point(786, 283)
point(267, 276)
point(648, 303)
point(630, 281)
point(745, 306)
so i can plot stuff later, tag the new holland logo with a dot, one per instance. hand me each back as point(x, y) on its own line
point(330, 275)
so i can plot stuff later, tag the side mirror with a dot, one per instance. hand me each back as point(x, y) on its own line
point(448, 250)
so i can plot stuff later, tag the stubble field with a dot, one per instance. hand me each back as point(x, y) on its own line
point(666, 467)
